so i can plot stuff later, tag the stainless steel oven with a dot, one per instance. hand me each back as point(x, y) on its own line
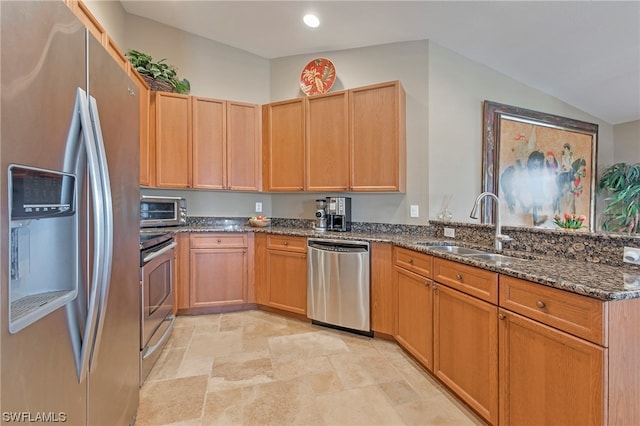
point(157, 263)
point(156, 211)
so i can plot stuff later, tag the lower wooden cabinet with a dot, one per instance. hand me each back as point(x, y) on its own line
point(384, 297)
point(218, 265)
point(465, 348)
point(548, 376)
point(415, 315)
point(281, 272)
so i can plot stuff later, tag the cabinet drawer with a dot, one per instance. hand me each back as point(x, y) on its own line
point(413, 261)
point(467, 279)
point(576, 314)
point(288, 243)
point(218, 240)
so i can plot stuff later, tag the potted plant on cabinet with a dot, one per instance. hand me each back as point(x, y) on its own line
point(159, 75)
point(622, 212)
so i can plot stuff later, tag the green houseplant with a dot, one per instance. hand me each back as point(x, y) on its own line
point(622, 182)
point(163, 76)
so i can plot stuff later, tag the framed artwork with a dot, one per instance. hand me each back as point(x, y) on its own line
point(541, 167)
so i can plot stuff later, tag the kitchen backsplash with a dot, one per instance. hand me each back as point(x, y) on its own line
point(575, 245)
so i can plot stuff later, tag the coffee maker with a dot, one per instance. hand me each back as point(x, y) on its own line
point(321, 215)
point(339, 214)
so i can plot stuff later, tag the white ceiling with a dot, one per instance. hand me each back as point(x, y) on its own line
point(586, 53)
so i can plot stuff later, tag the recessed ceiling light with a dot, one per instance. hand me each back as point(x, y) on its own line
point(311, 20)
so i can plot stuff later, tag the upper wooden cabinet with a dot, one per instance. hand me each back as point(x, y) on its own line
point(344, 141)
point(209, 128)
point(244, 151)
point(327, 142)
point(204, 143)
point(170, 129)
point(283, 139)
point(378, 137)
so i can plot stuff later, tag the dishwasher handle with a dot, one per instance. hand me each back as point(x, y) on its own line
point(340, 247)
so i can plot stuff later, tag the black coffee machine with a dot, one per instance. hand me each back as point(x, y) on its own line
point(338, 214)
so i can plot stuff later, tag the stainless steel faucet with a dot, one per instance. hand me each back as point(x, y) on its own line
point(499, 238)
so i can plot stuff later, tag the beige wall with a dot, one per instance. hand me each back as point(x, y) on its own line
point(444, 115)
point(627, 142)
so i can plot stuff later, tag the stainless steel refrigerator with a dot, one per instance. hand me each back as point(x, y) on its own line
point(69, 204)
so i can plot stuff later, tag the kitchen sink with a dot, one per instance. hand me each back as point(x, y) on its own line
point(462, 251)
point(492, 257)
point(468, 252)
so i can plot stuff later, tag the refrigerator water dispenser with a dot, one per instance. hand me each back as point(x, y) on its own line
point(44, 272)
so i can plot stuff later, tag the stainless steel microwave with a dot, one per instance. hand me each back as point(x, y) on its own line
point(156, 211)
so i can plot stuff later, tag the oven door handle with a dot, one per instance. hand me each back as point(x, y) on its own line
point(150, 350)
point(159, 252)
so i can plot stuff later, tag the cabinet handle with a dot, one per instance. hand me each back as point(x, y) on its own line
point(459, 277)
point(540, 304)
point(426, 283)
point(410, 261)
point(219, 240)
point(502, 316)
point(286, 243)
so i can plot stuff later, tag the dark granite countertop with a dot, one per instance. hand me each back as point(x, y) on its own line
point(599, 281)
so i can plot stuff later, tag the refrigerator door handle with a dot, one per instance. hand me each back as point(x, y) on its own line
point(81, 138)
point(107, 230)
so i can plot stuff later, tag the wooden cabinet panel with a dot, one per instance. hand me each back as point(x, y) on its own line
point(327, 142)
point(88, 20)
point(378, 137)
point(384, 296)
point(172, 124)
point(284, 145)
point(415, 315)
point(243, 146)
point(116, 53)
point(286, 242)
point(182, 271)
point(209, 127)
point(547, 376)
point(218, 277)
point(287, 281)
point(465, 333)
point(147, 152)
point(219, 270)
point(207, 240)
point(468, 279)
point(413, 261)
point(573, 313)
point(260, 268)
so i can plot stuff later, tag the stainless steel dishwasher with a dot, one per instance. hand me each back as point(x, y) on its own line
point(338, 284)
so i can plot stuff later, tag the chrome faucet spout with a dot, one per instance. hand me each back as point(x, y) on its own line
point(499, 238)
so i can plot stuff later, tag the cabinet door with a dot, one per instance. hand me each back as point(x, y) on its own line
point(327, 142)
point(147, 169)
point(415, 315)
point(548, 376)
point(182, 290)
point(243, 146)
point(209, 143)
point(172, 139)
point(284, 145)
point(465, 346)
point(218, 277)
point(378, 141)
point(384, 295)
point(287, 281)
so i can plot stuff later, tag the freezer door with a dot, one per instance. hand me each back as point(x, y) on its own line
point(42, 58)
point(113, 379)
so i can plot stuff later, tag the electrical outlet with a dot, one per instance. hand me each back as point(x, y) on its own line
point(450, 232)
point(631, 255)
point(258, 207)
point(414, 211)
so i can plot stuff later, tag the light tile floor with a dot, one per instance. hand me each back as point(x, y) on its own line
point(258, 368)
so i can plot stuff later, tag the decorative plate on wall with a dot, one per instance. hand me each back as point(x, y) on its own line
point(317, 77)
